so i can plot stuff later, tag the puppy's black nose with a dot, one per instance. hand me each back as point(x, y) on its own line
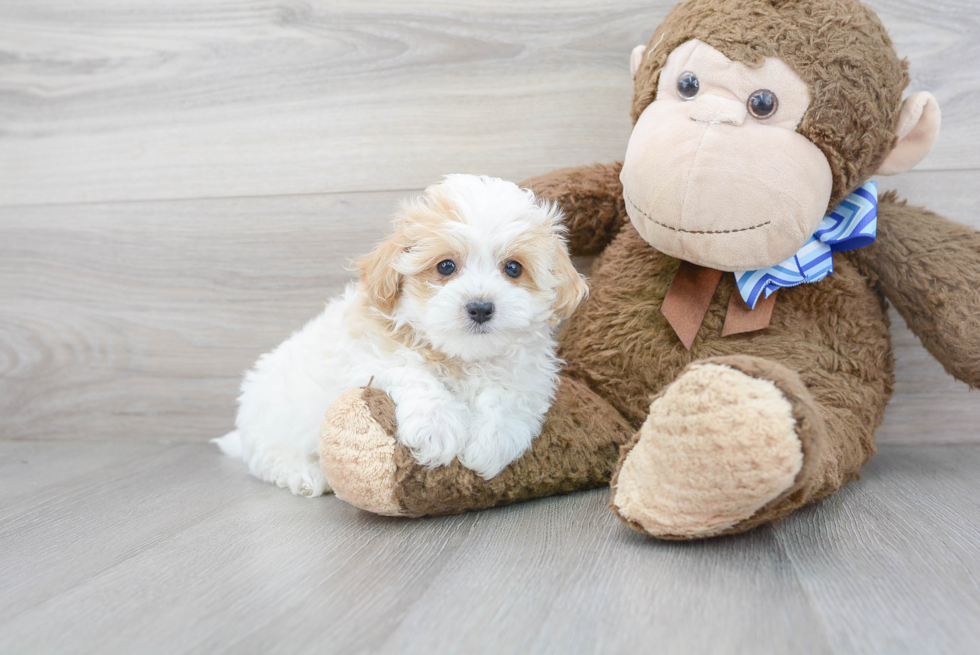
point(480, 311)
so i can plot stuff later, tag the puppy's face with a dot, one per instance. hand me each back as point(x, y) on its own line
point(474, 264)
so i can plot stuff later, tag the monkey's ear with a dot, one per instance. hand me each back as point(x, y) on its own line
point(918, 127)
point(636, 58)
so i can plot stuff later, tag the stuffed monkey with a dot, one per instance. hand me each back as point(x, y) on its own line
point(733, 359)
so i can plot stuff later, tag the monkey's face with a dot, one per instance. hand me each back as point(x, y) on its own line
point(715, 172)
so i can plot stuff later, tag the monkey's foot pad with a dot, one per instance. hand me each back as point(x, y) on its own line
point(717, 447)
point(357, 447)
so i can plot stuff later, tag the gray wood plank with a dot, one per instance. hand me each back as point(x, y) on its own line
point(66, 534)
point(135, 320)
point(949, 193)
point(277, 573)
point(892, 564)
point(29, 468)
point(138, 319)
point(118, 99)
point(192, 556)
point(581, 582)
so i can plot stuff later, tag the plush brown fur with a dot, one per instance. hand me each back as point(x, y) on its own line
point(577, 449)
point(827, 349)
point(929, 268)
point(622, 347)
point(592, 214)
point(838, 47)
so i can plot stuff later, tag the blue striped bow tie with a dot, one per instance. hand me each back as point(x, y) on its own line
point(852, 224)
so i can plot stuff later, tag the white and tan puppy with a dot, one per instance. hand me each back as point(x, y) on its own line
point(453, 316)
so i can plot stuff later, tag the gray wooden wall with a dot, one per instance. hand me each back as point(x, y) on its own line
point(183, 182)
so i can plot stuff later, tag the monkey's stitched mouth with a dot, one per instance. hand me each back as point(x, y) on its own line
point(677, 229)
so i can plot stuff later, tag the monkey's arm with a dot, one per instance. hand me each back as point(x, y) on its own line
point(592, 199)
point(929, 267)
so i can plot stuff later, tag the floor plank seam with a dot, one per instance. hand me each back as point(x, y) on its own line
point(323, 194)
point(133, 553)
point(825, 628)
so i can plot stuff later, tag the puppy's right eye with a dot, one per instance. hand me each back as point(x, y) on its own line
point(446, 267)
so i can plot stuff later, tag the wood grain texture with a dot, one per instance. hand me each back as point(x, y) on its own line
point(136, 320)
point(139, 318)
point(213, 561)
point(121, 100)
point(78, 530)
point(28, 468)
point(893, 564)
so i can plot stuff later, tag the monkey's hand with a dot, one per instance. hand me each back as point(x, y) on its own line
point(929, 267)
point(592, 199)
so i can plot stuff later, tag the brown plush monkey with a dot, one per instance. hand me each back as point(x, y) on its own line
point(712, 410)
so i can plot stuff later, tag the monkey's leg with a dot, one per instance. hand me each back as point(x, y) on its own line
point(733, 443)
point(577, 449)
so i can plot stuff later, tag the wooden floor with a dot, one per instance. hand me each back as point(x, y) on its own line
point(138, 546)
point(181, 186)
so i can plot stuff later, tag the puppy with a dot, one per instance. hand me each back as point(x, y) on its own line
point(453, 316)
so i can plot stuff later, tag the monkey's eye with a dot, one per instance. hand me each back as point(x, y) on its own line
point(513, 269)
point(763, 103)
point(688, 85)
point(446, 267)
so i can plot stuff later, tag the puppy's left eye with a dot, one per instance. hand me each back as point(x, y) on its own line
point(513, 269)
point(446, 267)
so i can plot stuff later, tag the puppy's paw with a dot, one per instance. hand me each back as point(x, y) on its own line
point(493, 445)
point(432, 430)
point(291, 470)
point(307, 478)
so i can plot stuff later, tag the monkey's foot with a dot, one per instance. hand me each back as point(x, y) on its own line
point(357, 450)
point(730, 444)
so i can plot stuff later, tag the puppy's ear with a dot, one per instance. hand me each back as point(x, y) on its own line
point(379, 279)
point(571, 289)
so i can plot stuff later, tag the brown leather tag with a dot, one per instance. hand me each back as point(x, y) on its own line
point(688, 298)
point(740, 318)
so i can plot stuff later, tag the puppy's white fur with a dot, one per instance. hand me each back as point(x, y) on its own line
point(476, 392)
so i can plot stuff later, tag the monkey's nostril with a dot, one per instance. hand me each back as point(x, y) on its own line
point(480, 311)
